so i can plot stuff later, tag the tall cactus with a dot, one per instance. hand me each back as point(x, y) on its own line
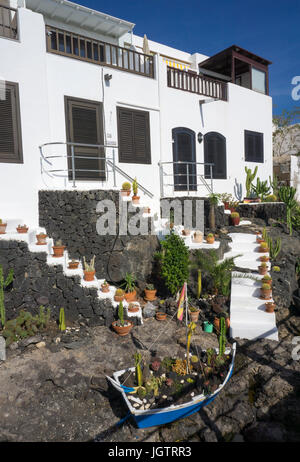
point(121, 313)
point(222, 337)
point(249, 179)
point(287, 195)
point(62, 321)
point(138, 369)
point(274, 248)
point(3, 284)
point(199, 286)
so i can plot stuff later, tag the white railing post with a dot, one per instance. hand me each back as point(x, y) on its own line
point(73, 166)
point(114, 169)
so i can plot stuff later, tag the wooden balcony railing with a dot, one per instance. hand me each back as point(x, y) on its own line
point(8, 22)
point(86, 49)
point(194, 83)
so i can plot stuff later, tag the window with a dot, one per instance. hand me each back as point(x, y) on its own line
point(215, 153)
point(258, 80)
point(10, 125)
point(184, 150)
point(134, 136)
point(254, 146)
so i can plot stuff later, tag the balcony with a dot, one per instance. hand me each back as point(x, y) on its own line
point(93, 51)
point(8, 22)
point(194, 83)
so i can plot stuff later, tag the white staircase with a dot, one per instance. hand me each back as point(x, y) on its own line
point(248, 318)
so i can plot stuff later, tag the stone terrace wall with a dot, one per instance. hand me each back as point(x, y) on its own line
point(71, 216)
point(35, 283)
point(264, 211)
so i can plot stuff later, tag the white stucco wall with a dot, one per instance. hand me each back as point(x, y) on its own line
point(295, 174)
point(45, 79)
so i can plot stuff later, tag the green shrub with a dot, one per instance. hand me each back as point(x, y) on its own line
point(25, 325)
point(173, 260)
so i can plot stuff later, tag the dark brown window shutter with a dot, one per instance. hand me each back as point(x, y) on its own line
point(134, 136)
point(215, 153)
point(10, 125)
point(84, 126)
point(254, 146)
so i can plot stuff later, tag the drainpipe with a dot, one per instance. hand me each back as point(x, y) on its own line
point(159, 115)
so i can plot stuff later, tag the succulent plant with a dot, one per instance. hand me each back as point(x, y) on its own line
point(265, 287)
point(155, 364)
point(89, 266)
point(234, 215)
point(276, 269)
point(150, 287)
point(126, 186)
point(119, 292)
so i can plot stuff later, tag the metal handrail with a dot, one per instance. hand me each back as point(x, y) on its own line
point(108, 163)
point(188, 173)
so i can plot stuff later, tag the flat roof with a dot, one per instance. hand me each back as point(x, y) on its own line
point(81, 16)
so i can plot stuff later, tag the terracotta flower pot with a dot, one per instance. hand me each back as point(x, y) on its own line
point(135, 199)
point(198, 238)
point(235, 221)
point(217, 323)
point(186, 232)
point(118, 298)
point(89, 275)
point(266, 294)
point(41, 239)
point(194, 315)
point(270, 307)
point(226, 205)
point(262, 270)
point(73, 265)
point(259, 239)
point(58, 251)
point(133, 308)
point(264, 258)
point(150, 294)
point(22, 229)
point(122, 330)
point(210, 240)
point(105, 288)
point(125, 192)
point(161, 316)
point(263, 249)
point(268, 281)
point(130, 296)
point(3, 228)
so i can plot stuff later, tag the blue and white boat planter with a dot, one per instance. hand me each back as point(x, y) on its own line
point(161, 416)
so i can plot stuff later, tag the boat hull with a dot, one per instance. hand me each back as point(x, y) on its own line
point(155, 417)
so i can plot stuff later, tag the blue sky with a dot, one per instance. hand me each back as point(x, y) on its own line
point(268, 28)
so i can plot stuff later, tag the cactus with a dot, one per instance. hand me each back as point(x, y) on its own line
point(222, 337)
point(138, 369)
point(3, 284)
point(249, 179)
point(62, 322)
point(135, 187)
point(274, 185)
point(199, 286)
point(287, 195)
point(126, 186)
point(89, 266)
point(261, 189)
point(121, 313)
point(274, 248)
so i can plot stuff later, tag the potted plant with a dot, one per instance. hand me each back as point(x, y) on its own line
point(266, 292)
point(263, 247)
point(150, 292)
point(129, 287)
point(2, 227)
point(89, 269)
point(160, 316)
point(210, 238)
point(119, 295)
point(41, 239)
point(73, 264)
point(105, 287)
point(270, 307)
point(217, 318)
point(58, 249)
point(186, 232)
point(259, 239)
point(267, 280)
point(263, 268)
point(235, 218)
point(226, 199)
point(22, 229)
point(133, 307)
point(135, 197)
point(126, 188)
point(198, 237)
point(194, 313)
point(264, 258)
point(121, 326)
point(232, 206)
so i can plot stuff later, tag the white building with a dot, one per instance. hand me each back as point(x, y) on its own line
point(72, 74)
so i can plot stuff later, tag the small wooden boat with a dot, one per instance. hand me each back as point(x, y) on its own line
point(160, 416)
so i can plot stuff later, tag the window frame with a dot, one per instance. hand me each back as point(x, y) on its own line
point(261, 135)
point(205, 155)
point(147, 136)
point(17, 158)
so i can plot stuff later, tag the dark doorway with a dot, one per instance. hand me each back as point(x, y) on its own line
point(215, 153)
point(184, 150)
point(84, 126)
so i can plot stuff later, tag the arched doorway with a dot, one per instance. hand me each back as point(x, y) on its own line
point(184, 150)
point(215, 153)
